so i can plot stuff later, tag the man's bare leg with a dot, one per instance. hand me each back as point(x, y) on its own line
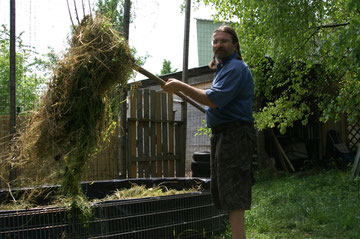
point(237, 221)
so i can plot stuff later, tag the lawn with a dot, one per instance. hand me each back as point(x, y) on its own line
point(316, 204)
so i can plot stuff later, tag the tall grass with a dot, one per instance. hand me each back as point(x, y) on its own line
point(315, 205)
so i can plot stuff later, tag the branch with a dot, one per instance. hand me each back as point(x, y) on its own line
point(11, 192)
point(324, 26)
point(333, 25)
point(308, 39)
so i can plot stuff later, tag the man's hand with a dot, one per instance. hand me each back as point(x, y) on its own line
point(172, 85)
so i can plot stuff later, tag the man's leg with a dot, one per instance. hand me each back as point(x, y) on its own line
point(237, 221)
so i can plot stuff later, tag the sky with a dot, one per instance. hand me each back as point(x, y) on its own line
point(157, 29)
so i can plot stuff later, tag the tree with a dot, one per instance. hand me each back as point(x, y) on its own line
point(29, 79)
point(313, 63)
point(166, 68)
point(114, 10)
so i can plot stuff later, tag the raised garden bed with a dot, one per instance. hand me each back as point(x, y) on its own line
point(190, 215)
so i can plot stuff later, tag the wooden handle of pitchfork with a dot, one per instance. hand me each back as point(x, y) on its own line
point(161, 82)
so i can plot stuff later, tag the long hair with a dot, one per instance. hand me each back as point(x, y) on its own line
point(229, 30)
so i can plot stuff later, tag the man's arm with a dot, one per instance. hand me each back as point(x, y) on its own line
point(199, 95)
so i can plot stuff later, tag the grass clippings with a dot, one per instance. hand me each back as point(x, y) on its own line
point(135, 191)
point(140, 191)
point(75, 113)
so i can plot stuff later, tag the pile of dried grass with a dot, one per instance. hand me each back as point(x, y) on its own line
point(74, 114)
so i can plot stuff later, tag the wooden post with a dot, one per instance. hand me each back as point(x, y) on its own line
point(171, 134)
point(164, 135)
point(123, 105)
point(153, 133)
point(180, 145)
point(355, 172)
point(185, 71)
point(139, 142)
point(146, 165)
point(159, 168)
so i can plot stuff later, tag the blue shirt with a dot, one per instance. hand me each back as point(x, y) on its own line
point(232, 91)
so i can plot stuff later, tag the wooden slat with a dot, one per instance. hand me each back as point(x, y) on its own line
point(140, 144)
point(155, 158)
point(155, 121)
point(146, 165)
point(153, 132)
point(171, 134)
point(132, 166)
point(164, 134)
point(159, 167)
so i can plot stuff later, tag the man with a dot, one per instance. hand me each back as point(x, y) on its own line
point(229, 115)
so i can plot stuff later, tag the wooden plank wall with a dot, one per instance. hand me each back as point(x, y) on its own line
point(155, 138)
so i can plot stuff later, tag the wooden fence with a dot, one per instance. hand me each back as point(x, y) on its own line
point(156, 140)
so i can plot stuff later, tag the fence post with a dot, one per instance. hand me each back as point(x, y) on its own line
point(181, 143)
point(171, 134)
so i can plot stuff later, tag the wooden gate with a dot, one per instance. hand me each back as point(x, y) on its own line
point(155, 139)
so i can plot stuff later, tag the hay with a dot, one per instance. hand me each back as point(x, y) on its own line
point(75, 113)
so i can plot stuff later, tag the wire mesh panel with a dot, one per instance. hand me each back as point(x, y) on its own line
point(179, 216)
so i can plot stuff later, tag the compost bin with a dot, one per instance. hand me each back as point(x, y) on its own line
point(190, 215)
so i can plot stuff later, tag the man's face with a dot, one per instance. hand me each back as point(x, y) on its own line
point(223, 46)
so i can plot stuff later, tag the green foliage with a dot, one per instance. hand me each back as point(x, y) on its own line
point(317, 34)
point(114, 11)
point(310, 205)
point(204, 130)
point(195, 5)
point(29, 73)
point(166, 68)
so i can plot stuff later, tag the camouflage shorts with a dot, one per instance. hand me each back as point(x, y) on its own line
point(232, 147)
